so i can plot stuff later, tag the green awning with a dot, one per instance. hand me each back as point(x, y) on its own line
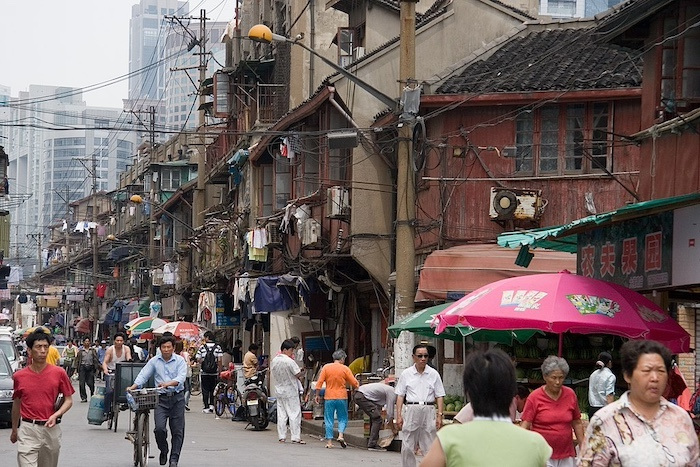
point(419, 323)
point(564, 237)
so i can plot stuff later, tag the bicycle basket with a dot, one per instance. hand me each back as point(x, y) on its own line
point(142, 399)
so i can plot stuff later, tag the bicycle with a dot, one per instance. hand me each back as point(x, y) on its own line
point(141, 401)
point(196, 386)
point(226, 394)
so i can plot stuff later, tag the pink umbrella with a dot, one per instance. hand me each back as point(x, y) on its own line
point(564, 302)
point(182, 329)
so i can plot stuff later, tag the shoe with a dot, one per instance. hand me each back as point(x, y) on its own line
point(187, 408)
point(376, 448)
point(83, 400)
point(207, 411)
point(163, 459)
point(342, 442)
point(211, 409)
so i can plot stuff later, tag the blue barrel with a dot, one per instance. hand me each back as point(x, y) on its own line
point(95, 414)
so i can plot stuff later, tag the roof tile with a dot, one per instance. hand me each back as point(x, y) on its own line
point(558, 59)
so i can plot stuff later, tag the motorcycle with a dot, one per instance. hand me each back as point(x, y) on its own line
point(254, 399)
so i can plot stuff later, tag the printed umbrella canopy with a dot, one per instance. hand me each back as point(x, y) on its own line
point(564, 302)
point(182, 329)
point(138, 326)
point(419, 323)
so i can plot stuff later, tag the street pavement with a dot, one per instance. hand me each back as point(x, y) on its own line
point(208, 442)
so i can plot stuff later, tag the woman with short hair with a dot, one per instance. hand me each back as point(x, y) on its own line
point(552, 411)
point(641, 427)
point(337, 377)
point(490, 438)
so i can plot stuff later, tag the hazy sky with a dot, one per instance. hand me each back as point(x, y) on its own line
point(75, 43)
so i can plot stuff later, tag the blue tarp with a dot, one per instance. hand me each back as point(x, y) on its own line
point(269, 297)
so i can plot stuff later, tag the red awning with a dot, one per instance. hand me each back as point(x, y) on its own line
point(451, 273)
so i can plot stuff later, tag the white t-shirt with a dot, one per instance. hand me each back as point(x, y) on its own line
point(284, 370)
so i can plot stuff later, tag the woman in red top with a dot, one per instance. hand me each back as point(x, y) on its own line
point(552, 411)
point(337, 377)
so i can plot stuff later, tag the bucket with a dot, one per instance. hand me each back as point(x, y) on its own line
point(95, 413)
point(307, 414)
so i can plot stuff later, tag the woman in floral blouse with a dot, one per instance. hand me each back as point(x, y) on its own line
point(641, 428)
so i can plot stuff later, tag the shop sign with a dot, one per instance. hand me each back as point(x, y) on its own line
point(636, 253)
point(223, 320)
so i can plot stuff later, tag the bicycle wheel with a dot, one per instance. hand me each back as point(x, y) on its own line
point(219, 403)
point(232, 397)
point(141, 442)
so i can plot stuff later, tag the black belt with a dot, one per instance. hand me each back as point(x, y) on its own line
point(38, 422)
point(420, 403)
point(170, 394)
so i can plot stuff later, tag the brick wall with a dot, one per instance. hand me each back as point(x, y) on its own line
point(686, 362)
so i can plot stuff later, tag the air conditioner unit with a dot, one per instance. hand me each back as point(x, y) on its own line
point(337, 198)
point(513, 204)
point(274, 234)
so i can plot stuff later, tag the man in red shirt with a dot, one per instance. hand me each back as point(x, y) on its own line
point(36, 390)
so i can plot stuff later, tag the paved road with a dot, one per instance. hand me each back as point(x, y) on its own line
point(208, 442)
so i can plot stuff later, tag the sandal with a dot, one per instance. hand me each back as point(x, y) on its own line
point(282, 440)
point(300, 441)
point(329, 446)
point(342, 443)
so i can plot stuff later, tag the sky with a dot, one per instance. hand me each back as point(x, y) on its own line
point(75, 43)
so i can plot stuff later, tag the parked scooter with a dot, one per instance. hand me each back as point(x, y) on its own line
point(254, 398)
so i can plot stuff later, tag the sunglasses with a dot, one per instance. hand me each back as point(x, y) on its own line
point(421, 355)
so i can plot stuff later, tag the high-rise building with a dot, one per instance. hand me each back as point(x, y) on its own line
point(575, 8)
point(52, 140)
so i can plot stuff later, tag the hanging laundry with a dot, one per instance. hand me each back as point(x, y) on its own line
point(65, 226)
point(100, 290)
point(101, 231)
point(132, 210)
point(168, 274)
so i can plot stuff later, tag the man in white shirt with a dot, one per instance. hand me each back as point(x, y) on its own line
point(418, 390)
point(285, 378)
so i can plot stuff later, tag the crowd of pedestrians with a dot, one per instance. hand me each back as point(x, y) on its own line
point(540, 428)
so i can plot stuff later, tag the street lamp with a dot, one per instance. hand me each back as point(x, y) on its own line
point(263, 34)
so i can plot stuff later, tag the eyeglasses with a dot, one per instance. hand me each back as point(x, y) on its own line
point(422, 355)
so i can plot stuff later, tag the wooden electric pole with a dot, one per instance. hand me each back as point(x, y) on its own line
point(405, 292)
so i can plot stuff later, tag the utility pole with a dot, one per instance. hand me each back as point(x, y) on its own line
point(67, 260)
point(405, 292)
point(152, 201)
point(95, 259)
point(199, 200)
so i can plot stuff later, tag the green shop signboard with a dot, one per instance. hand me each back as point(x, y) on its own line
point(636, 253)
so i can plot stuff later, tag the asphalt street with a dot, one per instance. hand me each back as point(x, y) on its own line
point(208, 442)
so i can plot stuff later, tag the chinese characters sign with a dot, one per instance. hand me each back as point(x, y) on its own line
point(635, 253)
point(222, 319)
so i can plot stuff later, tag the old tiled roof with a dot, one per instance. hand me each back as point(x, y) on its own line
point(550, 60)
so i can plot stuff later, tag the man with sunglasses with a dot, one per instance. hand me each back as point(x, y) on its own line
point(418, 391)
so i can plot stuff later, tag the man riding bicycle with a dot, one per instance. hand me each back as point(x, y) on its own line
point(169, 371)
point(114, 354)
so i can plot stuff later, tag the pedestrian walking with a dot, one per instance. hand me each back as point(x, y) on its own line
point(552, 411)
point(371, 398)
point(337, 377)
point(601, 384)
point(491, 438)
point(86, 363)
point(418, 390)
point(185, 354)
point(209, 357)
point(169, 372)
point(286, 374)
point(69, 354)
point(37, 403)
point(101, 351)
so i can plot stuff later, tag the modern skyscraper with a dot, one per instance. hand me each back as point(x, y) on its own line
point(53, 137)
